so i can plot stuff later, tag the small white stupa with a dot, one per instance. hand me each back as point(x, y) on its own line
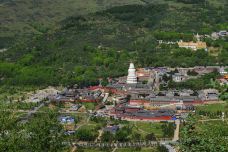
point(131, 78)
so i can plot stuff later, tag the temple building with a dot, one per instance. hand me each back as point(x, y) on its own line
point(193, 45)
point(131, 78)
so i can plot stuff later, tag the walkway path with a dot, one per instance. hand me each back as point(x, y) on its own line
point(114, 149)
point(33, 111)
point(74, 149)
point(170, 148)
point(211, 120)
point(99, 136)
point(28, 111)
point(177, 130)
point(105, 97)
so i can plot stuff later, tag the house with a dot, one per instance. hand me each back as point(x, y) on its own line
point(193, 45)
point(226, 76)
point(148, 115)
point(164, 100)
point(223, 70)
point(75, 107)
point(112, 129)
point(208, 94)
point(184, 71)
point(177, 77)
point(69, 132)
point(201, 70)
point(143, 74)
point(223, 81)
point(185, 92)
point(223, 33)
point(185, 107)
point(66, 119)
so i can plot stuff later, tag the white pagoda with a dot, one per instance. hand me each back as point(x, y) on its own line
point(131, 78)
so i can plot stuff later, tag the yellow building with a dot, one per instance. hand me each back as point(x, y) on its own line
point(226, 76)
point(193, 45)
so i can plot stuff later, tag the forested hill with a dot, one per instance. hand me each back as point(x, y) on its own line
point(19, 18)
point(101, 44)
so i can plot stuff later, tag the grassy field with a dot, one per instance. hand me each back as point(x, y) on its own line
point(90, 127)
point(89, 106)
point(145, 128)
point(13, 93)
point(213, 107)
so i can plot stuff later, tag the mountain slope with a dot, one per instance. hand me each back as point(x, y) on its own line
point(19, 18)
point(101, 44)
point(22, 17)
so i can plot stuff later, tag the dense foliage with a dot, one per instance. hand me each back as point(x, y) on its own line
point(211, 136)
point(21, 18)
point(168, 129)
point(100, 45)
point(36, 135)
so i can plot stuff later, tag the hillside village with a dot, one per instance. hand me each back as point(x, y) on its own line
point(137, 98)
point(139, 92)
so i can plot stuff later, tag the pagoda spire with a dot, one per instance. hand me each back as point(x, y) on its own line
point(131, 78)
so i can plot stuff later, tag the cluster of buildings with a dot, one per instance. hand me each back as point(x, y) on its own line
point(40, 95)
point(223, 80)
point(146, 103)
point(177, 98)
point(198, 44)
point(183, 75)
point(73, 94)
point(137, 97)
point(69, 124)
point(188, 45)
point(138, 113)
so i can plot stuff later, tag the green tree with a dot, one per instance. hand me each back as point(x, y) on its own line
point(107, 137)
point(85, 134)
point(45, 133)
point(151, 137)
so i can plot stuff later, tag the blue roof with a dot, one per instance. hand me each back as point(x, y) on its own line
point(66, 119)
point(174, 118)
